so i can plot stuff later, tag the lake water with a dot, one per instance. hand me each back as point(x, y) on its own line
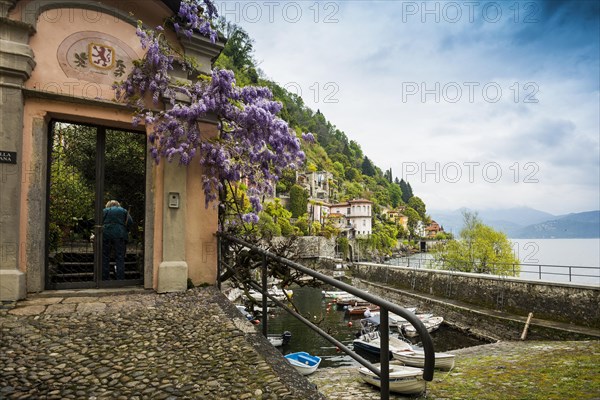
point(582, 255)
point(312, 306)
point(551, 260)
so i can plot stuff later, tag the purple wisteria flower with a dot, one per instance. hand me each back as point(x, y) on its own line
point(253, 147)
point(308, 137)
point(250, 218)
point(194, 17)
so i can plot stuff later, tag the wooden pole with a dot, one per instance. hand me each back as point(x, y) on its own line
point(524, 334)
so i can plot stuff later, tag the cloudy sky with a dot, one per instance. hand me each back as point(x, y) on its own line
point(477, 104)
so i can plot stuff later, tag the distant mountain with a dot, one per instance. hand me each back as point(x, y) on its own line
point(506, 220)
point(578, 225)
point(524, 222)
point(450, 220)
point(517, 216)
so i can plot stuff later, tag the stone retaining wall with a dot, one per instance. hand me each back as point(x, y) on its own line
point(308, 246)
point(570, 303)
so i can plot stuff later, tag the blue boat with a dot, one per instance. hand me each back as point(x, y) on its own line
point(304, 363)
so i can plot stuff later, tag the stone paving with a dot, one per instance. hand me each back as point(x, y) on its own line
point(192, 345)
point(343, 383)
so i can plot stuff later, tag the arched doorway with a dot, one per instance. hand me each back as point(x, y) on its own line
point(87, 167)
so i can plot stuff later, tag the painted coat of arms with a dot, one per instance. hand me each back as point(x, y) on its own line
point(95, 56)
point(101, 56)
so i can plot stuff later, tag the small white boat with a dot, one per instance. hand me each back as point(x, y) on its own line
point(431, 324)
point(415, 357)
point(245, 312)
point(304, 363)
point(404, 380)
point(333, 294)
point(277, 293)
point(278, 340)
point(396, 320)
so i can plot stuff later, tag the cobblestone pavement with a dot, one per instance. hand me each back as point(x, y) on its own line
point(343, 383)
point(140, 346)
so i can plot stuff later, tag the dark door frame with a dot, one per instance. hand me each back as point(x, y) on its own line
point(100, 165)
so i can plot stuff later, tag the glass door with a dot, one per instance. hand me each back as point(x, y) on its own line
point(89, 244)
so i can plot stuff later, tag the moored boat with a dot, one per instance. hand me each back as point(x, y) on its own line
point(395, 321)
point(246, 314)
point(360, 310)
point(414, 357)
point(371, 343)
point(277, 293)
point(334, 294)
point(278, 340)
point(343, 302)
point(431, 324)
point(303, 362)
point(404, 380)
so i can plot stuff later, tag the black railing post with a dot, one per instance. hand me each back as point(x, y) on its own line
point(99, 202)
point(384, 355)
point(540, 271)
point(219, 261)
point(265, 314)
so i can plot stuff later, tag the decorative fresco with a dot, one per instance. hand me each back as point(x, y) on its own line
point(95, 57)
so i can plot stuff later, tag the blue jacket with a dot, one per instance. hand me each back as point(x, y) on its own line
point(116, 222)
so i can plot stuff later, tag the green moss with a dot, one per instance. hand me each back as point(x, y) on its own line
point(536, 370)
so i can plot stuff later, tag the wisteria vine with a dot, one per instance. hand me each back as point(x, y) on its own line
point(253, 145)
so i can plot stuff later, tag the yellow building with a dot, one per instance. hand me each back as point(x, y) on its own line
point(399, 218)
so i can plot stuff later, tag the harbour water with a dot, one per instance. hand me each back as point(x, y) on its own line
point(312, 305)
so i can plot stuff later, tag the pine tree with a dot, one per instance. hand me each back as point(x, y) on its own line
point(367, 167)
point(406, 191)
point(388, 175)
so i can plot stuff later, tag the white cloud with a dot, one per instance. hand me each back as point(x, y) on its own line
point(371, 60)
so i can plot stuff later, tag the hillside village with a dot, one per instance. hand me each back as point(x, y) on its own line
point(354, 218)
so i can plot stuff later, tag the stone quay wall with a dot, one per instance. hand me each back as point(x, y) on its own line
point(307, 246)
point(568, 303)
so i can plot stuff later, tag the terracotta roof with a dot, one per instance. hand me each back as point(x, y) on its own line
point(347, 203)
point(340, 205)
point(360, 201)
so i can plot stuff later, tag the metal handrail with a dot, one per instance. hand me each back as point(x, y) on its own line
point(539, 269)
point(385, 306)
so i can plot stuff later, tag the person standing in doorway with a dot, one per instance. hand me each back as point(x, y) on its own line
point(116, 223)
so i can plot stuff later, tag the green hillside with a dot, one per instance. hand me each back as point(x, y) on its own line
point(354, 174)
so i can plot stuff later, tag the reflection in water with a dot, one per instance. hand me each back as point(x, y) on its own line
point(335, 322)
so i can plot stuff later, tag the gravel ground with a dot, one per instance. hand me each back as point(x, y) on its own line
point(140, 346)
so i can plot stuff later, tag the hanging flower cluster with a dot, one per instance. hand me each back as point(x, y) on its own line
point(150, 74)
point(192, 17)
point(254, 146)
